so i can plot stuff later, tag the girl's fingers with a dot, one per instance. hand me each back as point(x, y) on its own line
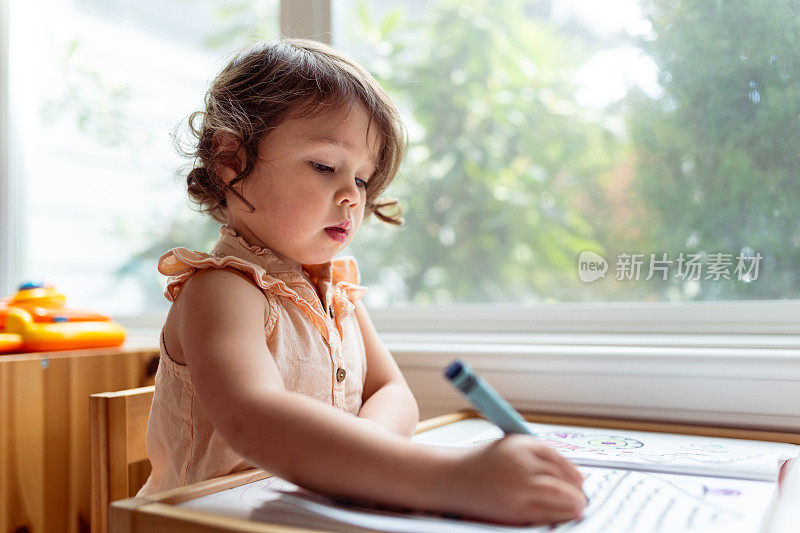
point(545, 467)
point(565, 467)
point(548, 501)
point(551, 516)
point(555, 494)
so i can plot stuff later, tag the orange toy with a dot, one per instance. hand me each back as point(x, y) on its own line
point(35, 320)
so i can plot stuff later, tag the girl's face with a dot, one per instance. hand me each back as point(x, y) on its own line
point(308, 187)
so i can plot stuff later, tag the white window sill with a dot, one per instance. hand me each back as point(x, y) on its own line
point(726, 379)
point(718, 380)
point(779, 317)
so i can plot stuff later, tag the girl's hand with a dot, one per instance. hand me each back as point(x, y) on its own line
point(516, 480)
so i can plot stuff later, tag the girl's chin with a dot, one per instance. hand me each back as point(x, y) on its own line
point(322, 258)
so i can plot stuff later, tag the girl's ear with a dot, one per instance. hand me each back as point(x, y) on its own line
point(230, 156)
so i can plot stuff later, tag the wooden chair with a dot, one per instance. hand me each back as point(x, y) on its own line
point(118, 428)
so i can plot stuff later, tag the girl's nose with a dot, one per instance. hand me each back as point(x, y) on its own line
point(348, 194)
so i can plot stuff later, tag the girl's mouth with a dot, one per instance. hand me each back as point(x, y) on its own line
point(337, 234)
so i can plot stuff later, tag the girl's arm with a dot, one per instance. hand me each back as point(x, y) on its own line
point(387, 399)
point(221, 320)
point(221, 331)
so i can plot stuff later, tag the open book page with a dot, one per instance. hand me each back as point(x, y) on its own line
point(620, 501)
point(631, 500)
point(640, 450)
point(670, 483)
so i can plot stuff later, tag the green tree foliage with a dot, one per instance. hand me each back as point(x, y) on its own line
point(508, 178)
point(719, 152)
point(500, 154)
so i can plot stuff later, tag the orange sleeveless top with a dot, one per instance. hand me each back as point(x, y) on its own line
point(317, 347)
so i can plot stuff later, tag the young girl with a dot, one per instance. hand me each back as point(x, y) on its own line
point(268, 356)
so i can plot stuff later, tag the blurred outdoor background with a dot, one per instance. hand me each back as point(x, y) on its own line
point(538, 130)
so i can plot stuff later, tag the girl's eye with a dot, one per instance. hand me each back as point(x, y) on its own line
point(325, 169)
point(319, 167)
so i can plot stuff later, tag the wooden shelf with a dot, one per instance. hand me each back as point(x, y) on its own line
point(44, 431)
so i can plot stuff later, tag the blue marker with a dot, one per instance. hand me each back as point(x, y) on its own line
point(485, 398)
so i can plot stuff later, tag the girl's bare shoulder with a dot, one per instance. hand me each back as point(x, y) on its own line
point(223, 298)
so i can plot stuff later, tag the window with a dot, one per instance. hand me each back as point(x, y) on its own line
point(575, 151)
point(98, 88)
point(540, 131)
point(563, 154)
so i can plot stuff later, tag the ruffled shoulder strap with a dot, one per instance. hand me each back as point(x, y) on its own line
point(345, 269)
point(345, 275)
point(180, 264)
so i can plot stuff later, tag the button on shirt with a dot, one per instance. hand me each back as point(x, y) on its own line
point(312, 334)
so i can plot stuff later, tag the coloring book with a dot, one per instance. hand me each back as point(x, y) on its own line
point(636, 481)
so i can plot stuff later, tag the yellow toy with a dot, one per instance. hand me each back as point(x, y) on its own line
point(35, 320)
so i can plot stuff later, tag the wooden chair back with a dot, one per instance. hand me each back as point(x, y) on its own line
point(118, 429)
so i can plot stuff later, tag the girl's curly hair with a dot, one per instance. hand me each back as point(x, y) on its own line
point(262, 86)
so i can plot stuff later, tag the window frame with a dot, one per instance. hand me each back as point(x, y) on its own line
point(756, 318)
point(9, 244)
